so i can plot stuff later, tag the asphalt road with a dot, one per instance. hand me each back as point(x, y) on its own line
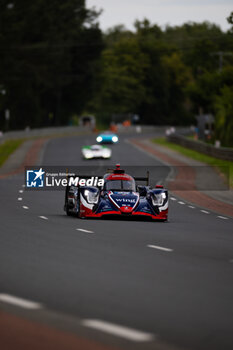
point(118, 272)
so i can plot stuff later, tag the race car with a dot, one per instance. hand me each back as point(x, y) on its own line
point(96, 151)
point(119, 195)
point(107, 137)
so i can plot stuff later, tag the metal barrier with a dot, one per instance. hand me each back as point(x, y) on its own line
point(210, 150)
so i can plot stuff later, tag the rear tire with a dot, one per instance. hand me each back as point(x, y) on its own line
point(68, 213)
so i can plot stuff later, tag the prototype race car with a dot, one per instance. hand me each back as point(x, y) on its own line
point(119, 196)
point(96, 151)
point(107, 137)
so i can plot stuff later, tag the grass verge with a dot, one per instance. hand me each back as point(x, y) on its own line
point(7, 148)
point(221, 165)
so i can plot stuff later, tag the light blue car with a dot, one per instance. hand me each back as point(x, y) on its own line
point(107, 137)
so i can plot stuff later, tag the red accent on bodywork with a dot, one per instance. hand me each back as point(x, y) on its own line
point(126, 210)
point(119, 177)
point(161, 216)
point(159, 186)
point(84, 211)
point(111, 212)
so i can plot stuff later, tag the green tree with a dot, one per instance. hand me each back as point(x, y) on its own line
point(48, 50)
point(123, 66)
point(224, 116)
point(166, 77)
point(177, 78)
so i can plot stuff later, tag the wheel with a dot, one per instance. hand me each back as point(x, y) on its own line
point(68, 213)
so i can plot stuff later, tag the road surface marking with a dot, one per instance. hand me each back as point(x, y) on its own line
point(27, 304)
point(43, 217)
point(20, 191)
point(82, 230)
point(181, 202)
point(222, 217)
point(25, 207)
point(23, 185)
point(190, 206)
point(120, 331)
point(20, 199)
point(204, 211)
point(160, 248)
point(173, 199)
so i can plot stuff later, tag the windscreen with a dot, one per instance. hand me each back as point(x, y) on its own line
point(120, 185)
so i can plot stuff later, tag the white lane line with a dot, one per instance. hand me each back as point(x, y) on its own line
point(222, 217)
point(205, 212)
point(159, 248)
point(82, 230)
point(43, 217)
point(25, 207)
point(20, 191)
point(120, 331)
point(173, 198)
point(27, 304)
point(20, 199)
point(181, 202)
point(192, 207)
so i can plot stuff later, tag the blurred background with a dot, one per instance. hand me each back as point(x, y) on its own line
point(61, 61)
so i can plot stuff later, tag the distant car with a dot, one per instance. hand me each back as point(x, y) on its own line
point(107, 137)
point(96, 151)
point(119, 195)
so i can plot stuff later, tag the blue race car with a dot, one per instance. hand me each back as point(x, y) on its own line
point(119, 195)
point(107, 137)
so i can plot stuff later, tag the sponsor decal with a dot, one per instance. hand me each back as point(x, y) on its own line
point(125, 200)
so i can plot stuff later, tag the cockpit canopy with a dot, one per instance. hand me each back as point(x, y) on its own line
point(120, 185)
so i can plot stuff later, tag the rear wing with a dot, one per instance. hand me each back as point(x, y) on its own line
point(144, 179)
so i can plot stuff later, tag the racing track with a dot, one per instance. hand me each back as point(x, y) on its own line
point(118, 272)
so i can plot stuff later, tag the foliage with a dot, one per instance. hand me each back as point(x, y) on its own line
point(48, 50)
point(224, 116)
point(55, 63)
point(122, 76)
point(164, 76)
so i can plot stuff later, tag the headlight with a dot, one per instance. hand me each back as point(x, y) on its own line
point(88, 155)
point(106, 154)
point(99, 139)
point(92, 197)
point(158, 198)
point(114, 138)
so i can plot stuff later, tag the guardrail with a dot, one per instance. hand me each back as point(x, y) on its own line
point(221, 152)
point(69, 130)
point(43, 132)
